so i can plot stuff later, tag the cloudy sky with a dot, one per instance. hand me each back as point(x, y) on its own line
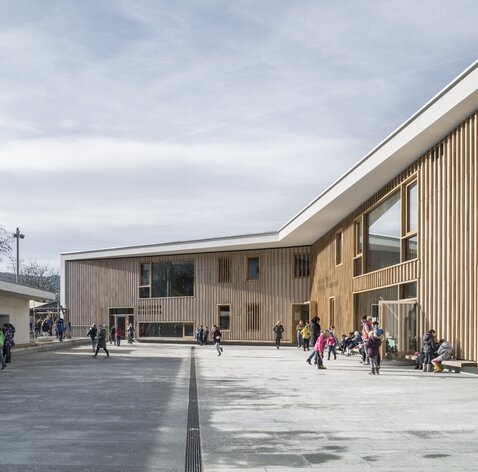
point(135, 122)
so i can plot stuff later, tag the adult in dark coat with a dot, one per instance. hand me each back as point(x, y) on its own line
point(278, 330)
point(9, 332)
point(101, 341)
point(429, 350)
point(314, 335)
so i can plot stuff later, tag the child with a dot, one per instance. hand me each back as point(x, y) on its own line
point(372, 344)
point(319, 349)
point(331, 343)
point(306, 336)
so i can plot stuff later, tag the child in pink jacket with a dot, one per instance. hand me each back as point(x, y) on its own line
point(320, 347)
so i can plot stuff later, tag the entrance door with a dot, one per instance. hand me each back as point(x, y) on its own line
point(299, 312)
point(120, 320)
point(399, 322)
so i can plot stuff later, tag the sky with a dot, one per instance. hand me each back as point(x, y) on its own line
point(137, 122)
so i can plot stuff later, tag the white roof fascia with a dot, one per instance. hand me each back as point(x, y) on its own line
point(25, 292)
point(404, 146)
point(233, 243)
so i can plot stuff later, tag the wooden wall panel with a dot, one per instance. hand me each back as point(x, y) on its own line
point(446, 269)
point(95, 285)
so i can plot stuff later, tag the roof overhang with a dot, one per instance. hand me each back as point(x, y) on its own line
point(13, 290)
point(406, 144)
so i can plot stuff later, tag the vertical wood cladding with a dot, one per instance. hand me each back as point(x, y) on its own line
point(93, 286)
point(446, 267)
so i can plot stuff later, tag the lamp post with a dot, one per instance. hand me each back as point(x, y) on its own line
point(19, 236)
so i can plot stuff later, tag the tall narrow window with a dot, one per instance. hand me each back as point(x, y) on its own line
point(252, 268)
point(338, 248)
point(358, 247)
point(410, 240)
point(301, 265)
point(145, 281)
point(224, 317)
point(252, 319)
point(224, 270)
point(332, 311)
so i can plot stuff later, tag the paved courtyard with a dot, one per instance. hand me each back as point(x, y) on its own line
point(260, 409)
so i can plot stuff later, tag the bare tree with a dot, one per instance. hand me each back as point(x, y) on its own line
point(41, 276)
point(5, 243)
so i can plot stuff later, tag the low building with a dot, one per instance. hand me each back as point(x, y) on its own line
point(15, 307)
point(394, 238)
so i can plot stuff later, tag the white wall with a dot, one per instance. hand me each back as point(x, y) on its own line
point(19, 316)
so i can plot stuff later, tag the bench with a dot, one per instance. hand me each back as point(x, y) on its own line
point(456, 365)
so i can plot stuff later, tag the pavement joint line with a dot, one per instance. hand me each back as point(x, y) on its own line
point(193, 456)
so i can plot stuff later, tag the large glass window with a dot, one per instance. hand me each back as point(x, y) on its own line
point(167, 279)
point(173, 279)
point(165, 330)
point(384, 234)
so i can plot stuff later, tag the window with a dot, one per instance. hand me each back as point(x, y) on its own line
point(338, 248)
point(224, 270)
point(410, 240)
point(122, 311)
point(166, 330)
point(144, 281)
point(252, 319)
point(383, 234)
point(332, 311)
point(301, 265)
point(224, 317)
point(167, 279)
point(358, 247)
point(408, 290)
point(252, 268)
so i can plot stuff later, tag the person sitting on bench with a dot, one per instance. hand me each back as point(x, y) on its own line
point(445, 352)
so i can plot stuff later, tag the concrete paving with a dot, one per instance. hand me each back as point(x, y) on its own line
point(261, 409)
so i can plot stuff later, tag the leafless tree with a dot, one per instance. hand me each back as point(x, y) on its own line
point(40, 275)
point(5, 243)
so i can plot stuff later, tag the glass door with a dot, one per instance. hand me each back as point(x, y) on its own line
point(399, 321)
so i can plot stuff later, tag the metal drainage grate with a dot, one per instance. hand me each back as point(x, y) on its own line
point(193, 461)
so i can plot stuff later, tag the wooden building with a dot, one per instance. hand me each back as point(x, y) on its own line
point(394, 238)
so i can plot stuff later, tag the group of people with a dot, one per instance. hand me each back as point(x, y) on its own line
point(98, 337)
point(433, 353)
point(201, 336)
point(46, 327)
point(7, 333)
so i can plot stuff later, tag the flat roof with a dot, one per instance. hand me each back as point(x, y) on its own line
point(431, 123)
point(25, 292)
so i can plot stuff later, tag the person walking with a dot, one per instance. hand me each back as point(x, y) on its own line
point(60, 329)
point(9, 333)
point(2, 358)
point(101, 341)
point(278, 330)
point(331, 345)
point(372, 344)
point(112, 335)
point(205, 336)
point(216, 334)
point(305, 333)
point(366, 329)
point(319, 348)
point(92, 332)
point(130, 333)
point(428, 349)
point(298, 329)
point(314, 335)
point(118, 333)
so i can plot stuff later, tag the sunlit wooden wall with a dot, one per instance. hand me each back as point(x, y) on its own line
point(446, 268)
point(93, 286)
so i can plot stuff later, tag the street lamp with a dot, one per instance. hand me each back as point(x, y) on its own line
point(19, 236)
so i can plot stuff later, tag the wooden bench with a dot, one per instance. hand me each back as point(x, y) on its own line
point(456, 365)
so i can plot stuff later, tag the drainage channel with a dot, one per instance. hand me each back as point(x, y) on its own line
point(193, 460)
